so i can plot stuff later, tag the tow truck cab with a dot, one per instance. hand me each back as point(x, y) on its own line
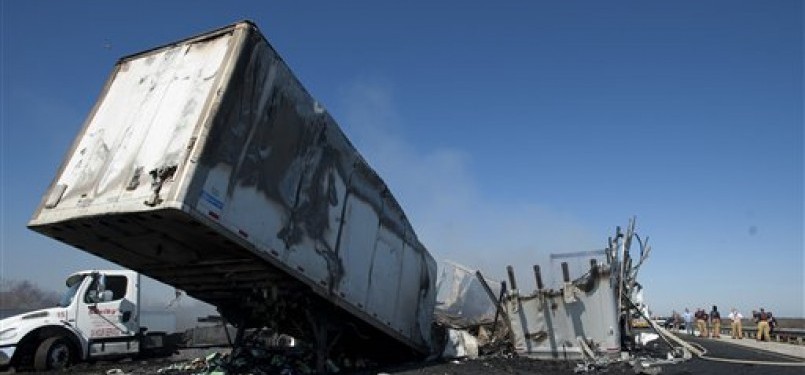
point(98, 317)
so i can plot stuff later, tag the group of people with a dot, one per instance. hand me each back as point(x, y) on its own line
point(709, 324)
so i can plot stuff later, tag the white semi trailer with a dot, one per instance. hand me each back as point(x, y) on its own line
point(98, 317)
point(206, 165)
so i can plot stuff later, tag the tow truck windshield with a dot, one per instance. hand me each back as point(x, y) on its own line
point(72, 289)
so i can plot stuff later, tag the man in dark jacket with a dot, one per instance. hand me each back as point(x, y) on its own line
point(701, 322)
point(715, 322)
point(763, 325)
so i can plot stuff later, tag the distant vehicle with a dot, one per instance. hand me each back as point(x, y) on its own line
point(639, 322)
point(98, 317)
point(666, 322)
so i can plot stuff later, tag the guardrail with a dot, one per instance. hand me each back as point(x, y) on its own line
point(794, 336)
point(789, 335)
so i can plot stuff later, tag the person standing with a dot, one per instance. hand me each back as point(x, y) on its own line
point(701, 322)
point(688, 318)
point(675, 320)
point(772, 322)
point(715, 322)
point(736, 328)
point(763, 325)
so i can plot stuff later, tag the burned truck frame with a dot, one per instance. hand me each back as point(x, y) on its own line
point(588, 316)
point(206, 165)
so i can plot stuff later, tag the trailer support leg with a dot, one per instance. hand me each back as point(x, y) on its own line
point(239, 334)
point(323, 337)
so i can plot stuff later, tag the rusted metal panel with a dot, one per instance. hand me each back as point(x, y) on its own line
point(209, 152)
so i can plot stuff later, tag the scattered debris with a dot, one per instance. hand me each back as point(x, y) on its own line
point(585, 367)
point(644, 367)
point(579, 326)
point(586, 319)
point(460, 344)
point(466, 303)
point(461, 298)
point(643, 338)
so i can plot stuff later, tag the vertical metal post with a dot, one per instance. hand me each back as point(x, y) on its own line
point(538, 276)
point(488, 289)
point(565, 272)
point(512, 281)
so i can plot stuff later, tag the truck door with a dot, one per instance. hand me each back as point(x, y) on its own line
point(69, 300)
point(106, 315)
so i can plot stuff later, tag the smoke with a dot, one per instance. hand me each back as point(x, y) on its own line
point(455, 213)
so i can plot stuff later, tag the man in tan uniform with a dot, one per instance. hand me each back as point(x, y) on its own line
point(701, 322)
point(736, 328)
point(715, 322)
point(763, 325)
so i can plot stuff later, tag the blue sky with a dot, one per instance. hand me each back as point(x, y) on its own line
point(507, 132)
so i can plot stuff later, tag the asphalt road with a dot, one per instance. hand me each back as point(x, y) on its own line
point(521, 365)
point(717, 349)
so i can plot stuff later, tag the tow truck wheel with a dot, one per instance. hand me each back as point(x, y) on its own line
point(52, 354)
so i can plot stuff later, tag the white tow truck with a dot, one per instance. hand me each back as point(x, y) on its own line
point(98, 317)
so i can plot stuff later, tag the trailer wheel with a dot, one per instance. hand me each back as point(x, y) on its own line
point(53, 354)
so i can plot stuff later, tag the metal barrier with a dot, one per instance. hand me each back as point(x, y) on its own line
point(795, 336)
point(788, 335)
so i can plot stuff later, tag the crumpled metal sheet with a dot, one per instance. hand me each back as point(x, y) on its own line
point(461, 300)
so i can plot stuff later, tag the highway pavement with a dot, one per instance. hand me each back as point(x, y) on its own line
point(742, 357)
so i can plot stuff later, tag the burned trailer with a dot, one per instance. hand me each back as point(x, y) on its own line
point(587, 315)
point(206, 165)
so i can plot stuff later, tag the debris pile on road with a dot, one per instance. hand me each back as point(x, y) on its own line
point(245, 360)
point(264, 352)
point(580, 325)
point(584, 318)
point(469, 310)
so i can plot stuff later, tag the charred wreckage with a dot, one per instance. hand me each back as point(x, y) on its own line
point(206, 165)
point(586, 318)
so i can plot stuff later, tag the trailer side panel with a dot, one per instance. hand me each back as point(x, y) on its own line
point(206, 165)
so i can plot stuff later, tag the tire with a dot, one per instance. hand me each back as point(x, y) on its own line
point(55, 353)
